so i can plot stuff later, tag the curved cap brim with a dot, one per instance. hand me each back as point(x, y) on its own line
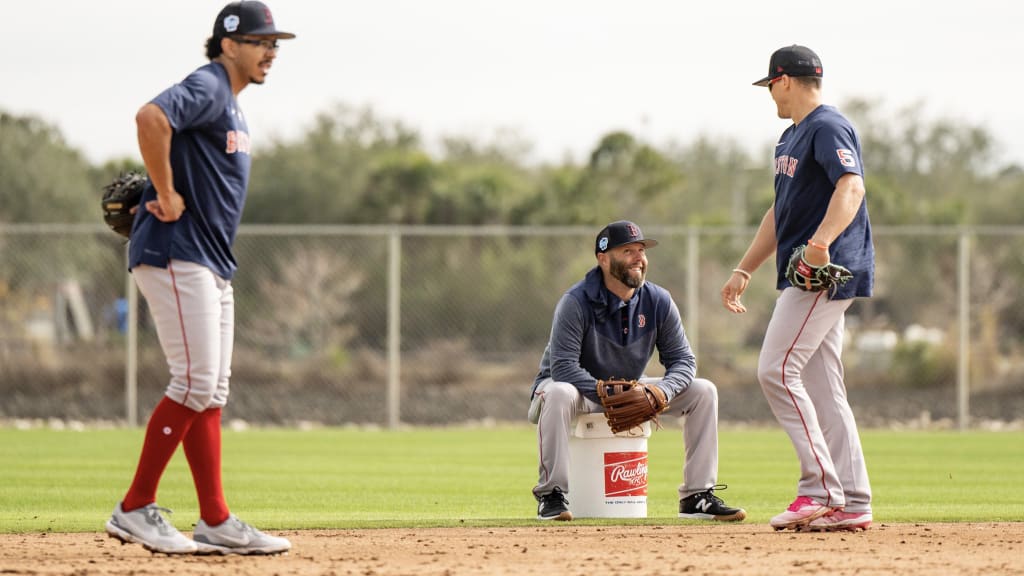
point(276, 34)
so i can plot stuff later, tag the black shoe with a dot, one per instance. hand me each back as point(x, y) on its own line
point(554, 506)
point(706, 506)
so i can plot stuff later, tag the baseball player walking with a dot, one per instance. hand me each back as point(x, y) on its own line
point(819, 201)
point(608, 326)
point(195, 143)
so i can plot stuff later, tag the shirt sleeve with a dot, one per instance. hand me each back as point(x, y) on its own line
point(675, 353)
point(566, 346)
point(837, 150)
point(197, 100)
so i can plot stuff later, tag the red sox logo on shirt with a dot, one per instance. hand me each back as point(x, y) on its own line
point(641, 320)
point(786, 165)
point(237, 141)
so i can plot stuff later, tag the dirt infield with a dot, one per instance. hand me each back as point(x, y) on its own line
point(562, 549)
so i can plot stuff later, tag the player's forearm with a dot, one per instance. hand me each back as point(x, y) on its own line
point(846, 201)
point(154, 134)
point(568, 369)
point(679, 374)
point(762, 246)
point(675, 354)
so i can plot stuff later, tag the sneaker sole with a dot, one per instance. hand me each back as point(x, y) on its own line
point(801, 523)
point(204, 549)
point(738, 516)
point(840, 528)
point(563, 517)
point(126, 537)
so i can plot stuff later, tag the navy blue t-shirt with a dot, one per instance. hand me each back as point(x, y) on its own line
point(210, 157)
point(810, 157)
point(597, 336)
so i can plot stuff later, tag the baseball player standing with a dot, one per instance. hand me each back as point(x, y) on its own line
point(195, 143)
point(819, 201)
point(608, 326)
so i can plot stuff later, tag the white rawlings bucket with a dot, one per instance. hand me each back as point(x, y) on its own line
point(607, 472)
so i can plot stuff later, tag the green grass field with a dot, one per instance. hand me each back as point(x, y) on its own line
point(66, 481)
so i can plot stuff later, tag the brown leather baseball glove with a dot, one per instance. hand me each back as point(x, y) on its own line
point(628, 403)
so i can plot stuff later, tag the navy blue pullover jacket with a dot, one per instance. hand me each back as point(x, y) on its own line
point(590, 341)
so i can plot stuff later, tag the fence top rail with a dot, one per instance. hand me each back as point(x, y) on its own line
point(505, 230)
point(15, 228)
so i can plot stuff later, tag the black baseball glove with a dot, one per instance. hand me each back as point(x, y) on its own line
point(120, 197)
point(815, 278)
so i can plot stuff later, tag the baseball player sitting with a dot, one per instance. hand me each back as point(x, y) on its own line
point(608, 326)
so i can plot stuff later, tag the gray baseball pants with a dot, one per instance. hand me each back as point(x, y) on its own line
point(801, 375)
point(556, 405)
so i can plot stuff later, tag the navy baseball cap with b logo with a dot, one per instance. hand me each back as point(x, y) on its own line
point(247, 18)
point(619, 233)
point(792, 61)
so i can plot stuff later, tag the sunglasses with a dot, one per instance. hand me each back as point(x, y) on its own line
point(265, 44)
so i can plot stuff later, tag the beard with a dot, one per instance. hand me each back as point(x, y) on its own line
point(622, 272)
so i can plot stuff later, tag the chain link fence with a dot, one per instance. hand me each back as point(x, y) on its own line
point(442, 325)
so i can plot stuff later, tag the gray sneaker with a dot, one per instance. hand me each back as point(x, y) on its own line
point(147, 526)
point(236, 537)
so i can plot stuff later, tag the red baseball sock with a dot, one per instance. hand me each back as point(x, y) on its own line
point(168, 424)
point(202, 448)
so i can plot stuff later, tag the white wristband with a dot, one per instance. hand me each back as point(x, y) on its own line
point(742, 272)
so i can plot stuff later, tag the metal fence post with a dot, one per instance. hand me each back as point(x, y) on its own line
point(963, 374)
point(692, 324)
point(394, 328)
point(131, 365)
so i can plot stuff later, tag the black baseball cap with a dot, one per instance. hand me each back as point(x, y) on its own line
point(792, 61)
point(619, 233)
point(247, 18)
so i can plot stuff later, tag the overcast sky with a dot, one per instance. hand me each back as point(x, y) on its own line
point(560, 73)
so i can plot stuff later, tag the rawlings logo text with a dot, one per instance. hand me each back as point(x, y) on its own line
point(625, 474)
point(635, 476)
